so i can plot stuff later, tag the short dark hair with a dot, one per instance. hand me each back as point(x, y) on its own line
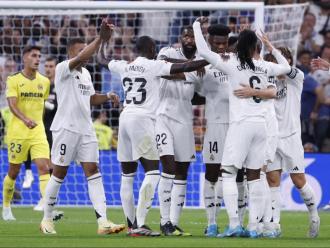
point(286, 53)
point(51, 59)
point(74, 41)
point(218, 29)
point(187, 27)
point(232, 40)
point(28, 49)
point(270, 58)
point(303, 52)
point(143, 44)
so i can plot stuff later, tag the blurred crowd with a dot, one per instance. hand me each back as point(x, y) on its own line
point(52, 33)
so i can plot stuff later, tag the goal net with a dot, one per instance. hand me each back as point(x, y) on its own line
point(50, 24)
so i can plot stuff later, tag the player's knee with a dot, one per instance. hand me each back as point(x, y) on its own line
point(13, 171)
point(240, 175)
point(229, 171)
point(273, 178)
point(59, 171)
point(298, 179)
point(181, 170)
point(212, 173)
point(252, 174)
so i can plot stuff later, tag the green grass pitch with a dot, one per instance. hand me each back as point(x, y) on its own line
point(78, 229)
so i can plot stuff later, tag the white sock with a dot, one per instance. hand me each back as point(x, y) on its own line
point(276, 204)
point(209, 201)
point(51, 194)
point(178, 197)
point(307, 193)
point(230, 197)
point(164, 195)
point(127, 197)
point(242, 201)
point(97, 196)
point(146, 195)
point(218, 197)
point(267, 209)
point(256, 190)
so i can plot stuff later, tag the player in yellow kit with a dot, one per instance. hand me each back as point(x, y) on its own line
point(26, 93)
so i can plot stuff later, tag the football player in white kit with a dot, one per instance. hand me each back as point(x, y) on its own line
point(74, 137)
point(213, 85)
point(137, 138)
point(246, 136)
point(289, 155)
point(175, 137)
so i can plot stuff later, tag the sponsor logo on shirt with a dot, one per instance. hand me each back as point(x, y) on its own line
point(84, 89)
point(32, 94)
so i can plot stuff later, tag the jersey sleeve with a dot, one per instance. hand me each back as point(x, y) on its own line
point(296, 75)
point(11, 87)
point(162, 68)
point(224, 64)
point(47, 82)
point(62, 70)
point(281, 68)
point(117, 66)
point(164, 52)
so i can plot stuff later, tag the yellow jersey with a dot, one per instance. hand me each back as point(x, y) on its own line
point(31, 95)
point(104, 135)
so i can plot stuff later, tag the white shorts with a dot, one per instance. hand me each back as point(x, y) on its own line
point(245, 144)
point(214, 142)
point(175, 138)
point(272, 138)
point(70, 146)
point(271, 147)
point(136, 138)
point(289, 155)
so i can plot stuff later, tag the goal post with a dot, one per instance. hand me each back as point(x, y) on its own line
point(50, 24)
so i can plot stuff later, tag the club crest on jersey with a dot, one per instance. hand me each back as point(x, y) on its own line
point(212, 157)
point(40, 87)
point(62, 159)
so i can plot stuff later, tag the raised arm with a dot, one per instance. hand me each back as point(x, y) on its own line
point(90, 49)
point(282, 67)
point(203, 49)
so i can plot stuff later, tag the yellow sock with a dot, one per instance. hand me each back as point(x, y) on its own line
point(8, 191)
point(43, 180)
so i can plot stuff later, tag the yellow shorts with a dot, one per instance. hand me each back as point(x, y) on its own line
point(18, 149)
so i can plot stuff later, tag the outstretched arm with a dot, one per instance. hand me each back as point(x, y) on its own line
point(246, 92)
point(98, 99)
point(88, 51)
point(188, 66)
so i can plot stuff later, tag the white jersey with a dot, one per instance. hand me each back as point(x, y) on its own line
point(74, 90)
point(287, 105)
point(214, 87)
point(175, 96)
point(242, 108)
point(140, 80)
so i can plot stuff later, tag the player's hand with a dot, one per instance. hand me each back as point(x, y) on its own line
point(265, 40)
point(320, 64)
point(106, 30)
point(245, 92)
point(202, 19)
point(201, 72)
point(113, 98)
point(30, 123)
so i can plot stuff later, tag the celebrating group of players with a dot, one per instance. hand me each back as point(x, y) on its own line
point(252, 108)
